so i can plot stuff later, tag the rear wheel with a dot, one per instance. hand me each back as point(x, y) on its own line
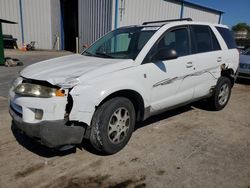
point(112, 125)
point(222, 93)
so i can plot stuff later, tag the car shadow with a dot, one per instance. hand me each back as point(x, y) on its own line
point(243, 81)
point(35, 147)
point(43, 151)
point(162, 116)
point(87, 146)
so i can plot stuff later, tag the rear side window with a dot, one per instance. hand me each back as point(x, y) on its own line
point(203, 39)
point(227, 36)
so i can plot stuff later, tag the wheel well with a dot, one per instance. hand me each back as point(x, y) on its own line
point(229, 73)
point(134, 97)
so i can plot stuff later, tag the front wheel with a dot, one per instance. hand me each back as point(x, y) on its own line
point(112, 125)
point(222, 94)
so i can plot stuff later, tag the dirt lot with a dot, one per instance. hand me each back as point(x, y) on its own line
point(187, 147)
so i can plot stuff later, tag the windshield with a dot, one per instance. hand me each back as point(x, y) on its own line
point(123, 43)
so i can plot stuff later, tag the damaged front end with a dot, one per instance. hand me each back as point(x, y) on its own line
point(41, 110)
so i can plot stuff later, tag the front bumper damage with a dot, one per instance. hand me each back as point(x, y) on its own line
point(53, 129)
point(52, 134)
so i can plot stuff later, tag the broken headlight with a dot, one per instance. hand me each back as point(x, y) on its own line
point(34, 90)
point(16, 82)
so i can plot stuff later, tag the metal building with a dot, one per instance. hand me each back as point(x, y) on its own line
point(54, 24)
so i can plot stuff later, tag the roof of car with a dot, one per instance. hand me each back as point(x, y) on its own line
point(185, 21)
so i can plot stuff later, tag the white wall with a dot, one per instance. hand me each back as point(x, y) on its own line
point(37, 23)
point(199, 14)
point(9, 10)
point(135, 12)
point(41, 18)
point(95, 19)
point(55, 22)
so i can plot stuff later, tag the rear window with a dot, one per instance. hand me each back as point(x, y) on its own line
point(227, 35)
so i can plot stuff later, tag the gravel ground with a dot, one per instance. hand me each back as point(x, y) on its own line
point(187, 147)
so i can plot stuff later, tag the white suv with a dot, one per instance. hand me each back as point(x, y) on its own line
point(126, 76)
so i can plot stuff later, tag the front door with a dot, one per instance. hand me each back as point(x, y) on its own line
point(170, 79)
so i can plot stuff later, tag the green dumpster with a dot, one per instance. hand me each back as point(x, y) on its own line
point(1, 40)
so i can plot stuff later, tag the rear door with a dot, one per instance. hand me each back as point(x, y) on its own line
point(207, 58)
point(230, 51)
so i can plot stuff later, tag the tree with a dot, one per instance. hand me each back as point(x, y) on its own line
point(241, 27)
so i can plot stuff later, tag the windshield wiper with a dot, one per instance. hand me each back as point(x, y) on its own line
point(103, 55)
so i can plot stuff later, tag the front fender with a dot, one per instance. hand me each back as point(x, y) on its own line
point(87, 97)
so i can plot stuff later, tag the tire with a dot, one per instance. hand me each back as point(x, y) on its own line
point(112, 125)
point(221, 94)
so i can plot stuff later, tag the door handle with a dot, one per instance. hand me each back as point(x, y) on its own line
point(219, 59)
point(189, 64)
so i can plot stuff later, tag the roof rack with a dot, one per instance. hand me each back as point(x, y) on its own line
point(162, 21)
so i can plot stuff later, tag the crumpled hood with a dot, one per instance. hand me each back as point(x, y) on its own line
point(57, 70)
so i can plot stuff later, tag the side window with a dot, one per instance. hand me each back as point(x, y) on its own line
point(201, 40)
point(227, 36)
point(176, 39)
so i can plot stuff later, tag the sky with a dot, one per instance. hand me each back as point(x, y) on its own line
point(235, 10)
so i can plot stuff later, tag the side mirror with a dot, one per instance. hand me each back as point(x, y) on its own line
point(165, 54)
